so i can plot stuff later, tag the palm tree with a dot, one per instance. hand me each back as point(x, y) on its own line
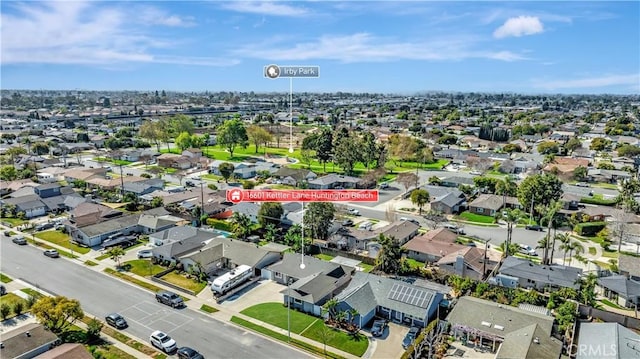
point(330, 307)
point(587, 290)
point(565, 243)
point(388, 259)
point(511, 216)
point(241, 224)
point(353, 313)
point(550, 213)
point(576, 248)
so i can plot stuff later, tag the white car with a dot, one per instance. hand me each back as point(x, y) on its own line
point(354, 211)
point(145, 253)
point(197, 178)
point(525, 249)
point(163, 342)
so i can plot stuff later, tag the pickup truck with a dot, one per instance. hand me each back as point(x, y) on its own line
point(169, 298)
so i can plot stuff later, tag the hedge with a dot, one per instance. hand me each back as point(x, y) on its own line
point(589, 228)
point(599, 201)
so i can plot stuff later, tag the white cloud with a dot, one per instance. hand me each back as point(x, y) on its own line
point(590, 82)
point(265, 8)
point(83, 33)
point(363, 47)
point(519, 26)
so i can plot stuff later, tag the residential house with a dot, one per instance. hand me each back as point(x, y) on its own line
point(470, 262)
point(371, 295)
point(249, 209)
point(607, 176)
point(456, 181)
point(490, 204)
point(334, 181)
point(7, 187)
point(147, 186)
point(31, 205)
point(426, 250)
point(50, 174)
point(90, 213)
point(27, 341)
point(629, 266)
point(48, 190)
point(83, 174)
point(192, 153)
point(620, 289)
point(565, 166)
point(606, 340)
point(294, 176)
point(525, 162)
point(520, 272)
point(94, 234)
point(445, 199)
point(220, 252)
point(523, 332)
point(244, 170)
point(170, 160)
point(311, 285)
point(354, 239)
point(174, 243)
point(152, 223)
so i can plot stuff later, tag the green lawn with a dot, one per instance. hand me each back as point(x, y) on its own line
point(102, 257)
point(63, 240)
point(115, 162)
point(414, 263)
point(4, 278)
point(276, 314)
point(142, 267)
point(366, 267)
point(612, 304)
point(11, 299)
point(284, 338)
point(324, 257)
point(208, 309)
point(353, 344)
point(184, 282)
point(478, 218)
point(133, 280)
point(32, 292)
point(13, 222)
point(592, 251)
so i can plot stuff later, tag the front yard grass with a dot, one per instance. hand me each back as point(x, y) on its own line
point(4, 278)
point(208, 309)
point(283, 338)
point(11, 299)
point(276, 315)
point(133, 280)
point(63, 240)
point(143, 267)
point(13, 222)
point(366, 267)
point(414, 263)
point(184, 282)
point(355, 344)
point(478, 218)
point(324, 257)
point(102, 257)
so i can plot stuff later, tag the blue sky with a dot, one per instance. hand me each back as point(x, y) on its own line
point(377, 46)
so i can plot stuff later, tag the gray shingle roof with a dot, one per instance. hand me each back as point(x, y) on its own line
point(290, 266)
point(621, 285)
point(607, 335)
point(312, 289)
point(555, 275)
point(530, 342)
point(629, 264)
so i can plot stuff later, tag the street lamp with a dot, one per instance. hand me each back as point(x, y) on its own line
point(484, 263)
point(289, 281)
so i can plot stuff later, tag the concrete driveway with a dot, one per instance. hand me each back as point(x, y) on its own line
point(389, 345)
point(264, 292)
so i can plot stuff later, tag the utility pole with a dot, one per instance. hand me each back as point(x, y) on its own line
point(484, 264)
point(201, 202)
point(121, 183)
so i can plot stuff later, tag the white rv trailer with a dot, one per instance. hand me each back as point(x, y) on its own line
point(231, 279)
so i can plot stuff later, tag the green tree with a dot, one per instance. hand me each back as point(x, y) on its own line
point(486, 184)
point(369, 149)
point(40, 148)
point(548, 148)
point(420, 197)
point(324, 147)
point(539, 189)
point(347, 152)
point(270, 233)
point(226, 170)
point(57, 313)
point(183, 141)
point(573, 144)
point(241, 225)
point(232, 134)
point(116, 253)
point(507, 187)
point(580, 173)
point(599, 144)
point(389, 256)
point(18, 307)
point(8, 173)
point(407, 179)
point(318, 217)
point(93, 330)
point(511, 216)
point(156, 202)
point(511, 148)
point(270, 213)
point(5, 310)
point(627, 150)
point(258, 136)
point(181, 123)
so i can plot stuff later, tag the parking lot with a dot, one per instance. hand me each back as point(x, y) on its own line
point(153, 317)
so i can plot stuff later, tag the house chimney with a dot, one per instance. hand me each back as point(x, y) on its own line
point(536, 340)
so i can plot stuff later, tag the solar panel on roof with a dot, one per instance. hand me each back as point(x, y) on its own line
point(410, 295)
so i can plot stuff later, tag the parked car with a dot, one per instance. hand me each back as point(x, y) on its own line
point(525, 249)
point(412, 334)
point(189, 184)
point(378, 327)
point(353, 211)
point(365, 226)
point(582, 184)
point(196, 178)
point(384, 185)
point(52, 253)
point(162, 341)
point(347, 223)
point(145, 253)
point(116, 320)
point(454, 228)
point(410, 220)
point(7, 233)
point(188, 353)
point(534, 227)
point(169, 298)
point(19, 240)
point(44, 226)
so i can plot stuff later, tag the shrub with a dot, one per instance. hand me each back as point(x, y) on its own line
point(589, 228)
point(212, 187)
point(18, 307)
point(248, 184)
point(93, 330)
point(5, 310)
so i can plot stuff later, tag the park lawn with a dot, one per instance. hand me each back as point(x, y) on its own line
point(324, 257)
point(63, 240)
point(142, 267)
point(184, 282)
point(276, 314)
point(13, 222)
point(353, 344)
point(479, 218)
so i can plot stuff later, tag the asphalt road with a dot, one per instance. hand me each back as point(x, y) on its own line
point(100, 294)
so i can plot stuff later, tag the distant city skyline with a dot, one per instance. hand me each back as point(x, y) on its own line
point(398, 47)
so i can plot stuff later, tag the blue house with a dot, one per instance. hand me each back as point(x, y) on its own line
point(48, 190)
point(395, 300)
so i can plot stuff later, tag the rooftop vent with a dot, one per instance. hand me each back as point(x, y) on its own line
point(486, 324)
point(536, 340)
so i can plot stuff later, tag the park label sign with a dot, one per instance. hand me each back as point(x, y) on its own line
point(237, 195)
